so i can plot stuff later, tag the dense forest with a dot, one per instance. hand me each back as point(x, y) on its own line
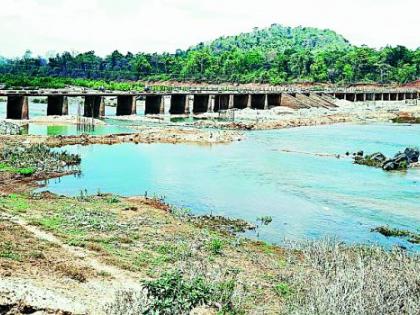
point(273, 55)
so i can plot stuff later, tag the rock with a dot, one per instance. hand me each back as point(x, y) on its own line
point(378, 157)
point(412, 154)
point(401, 161)
point(389, 165)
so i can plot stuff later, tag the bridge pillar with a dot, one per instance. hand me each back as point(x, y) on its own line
point(162, 109)
point(249, 103)
point(212, 100)
point(94, 106)
point(126, 105)
point(166, 110)
point(58, 105)
point(188, 107)
point(17, 107)
point(231, 101)
point(266, 101)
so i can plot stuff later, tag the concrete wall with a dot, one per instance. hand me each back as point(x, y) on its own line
point(17, 107)
point(94, 106)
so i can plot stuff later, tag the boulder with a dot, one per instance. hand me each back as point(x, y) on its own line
point(378, 157)
point(401, 161)
point(412, 154)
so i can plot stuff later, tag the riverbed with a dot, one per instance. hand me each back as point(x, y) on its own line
point(308, 196)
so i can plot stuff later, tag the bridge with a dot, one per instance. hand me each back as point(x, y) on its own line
point(192, 102)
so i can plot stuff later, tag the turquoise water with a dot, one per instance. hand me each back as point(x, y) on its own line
point(39, 109)
point(307, 196)
point(69, 130)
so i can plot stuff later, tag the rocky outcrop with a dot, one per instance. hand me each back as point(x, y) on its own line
point(407, 118)
point(401, 161)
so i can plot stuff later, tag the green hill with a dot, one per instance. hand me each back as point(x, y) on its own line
point(278, 38)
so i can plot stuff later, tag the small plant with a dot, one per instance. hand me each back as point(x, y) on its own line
point(174, 294)
point(180, 212)
point(7, 252)
point(265, 220)
point(216, 246)
point(26, 171)
point(282, 289)
point(113, 200)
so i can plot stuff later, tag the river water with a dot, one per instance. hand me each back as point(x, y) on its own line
point(307, 196)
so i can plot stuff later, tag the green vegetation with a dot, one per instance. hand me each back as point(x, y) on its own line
point(18, 203)
point(273, 55)
point(215, 246)
point(25, 171)
point(174, 294)
point(7, 251)
point(283, 289)
point(27, 160)
point(181, 274)
point(265, 220)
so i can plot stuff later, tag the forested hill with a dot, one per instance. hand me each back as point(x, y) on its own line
point(278, 38)
point(273, 55)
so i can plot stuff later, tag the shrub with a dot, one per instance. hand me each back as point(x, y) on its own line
point(174, 294)
point(215, 246)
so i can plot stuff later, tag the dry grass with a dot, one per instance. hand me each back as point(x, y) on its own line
point(22, 254)
point(338, 279)
point(322, 277)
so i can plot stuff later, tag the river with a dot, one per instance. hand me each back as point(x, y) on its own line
point(307, 196)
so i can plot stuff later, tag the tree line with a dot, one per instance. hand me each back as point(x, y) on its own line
point(275, 55)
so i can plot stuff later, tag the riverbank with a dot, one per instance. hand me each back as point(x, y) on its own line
point(345, 112)
point(106, 254)
point(150, 134)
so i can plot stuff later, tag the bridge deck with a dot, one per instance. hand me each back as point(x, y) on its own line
point(190, 92)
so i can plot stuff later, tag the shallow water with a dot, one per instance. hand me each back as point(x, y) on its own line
point(40, 110)
point(307, 196)
point(69, 130)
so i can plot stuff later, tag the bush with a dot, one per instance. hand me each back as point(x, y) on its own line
point(173, 294)
point(216, 246)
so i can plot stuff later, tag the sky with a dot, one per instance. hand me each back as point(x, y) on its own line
point(49, 26)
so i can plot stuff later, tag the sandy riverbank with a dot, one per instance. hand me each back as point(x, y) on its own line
point(283, 117)
point(147, 135)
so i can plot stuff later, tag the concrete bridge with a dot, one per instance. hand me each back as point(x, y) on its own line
point(193, 101)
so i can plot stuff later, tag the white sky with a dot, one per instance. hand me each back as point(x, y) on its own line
point(164, 25)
